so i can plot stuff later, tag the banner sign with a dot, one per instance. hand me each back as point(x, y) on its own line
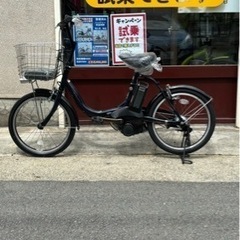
point(153, 3)
point(128, 34)
point(228, 6)
point(92, 41)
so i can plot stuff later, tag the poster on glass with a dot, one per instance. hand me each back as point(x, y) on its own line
point(92, 41)
point(128, 33)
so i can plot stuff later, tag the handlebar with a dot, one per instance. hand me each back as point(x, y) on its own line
point(69, 19)
point(65, 26)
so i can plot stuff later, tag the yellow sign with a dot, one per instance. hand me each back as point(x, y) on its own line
point(153, 3)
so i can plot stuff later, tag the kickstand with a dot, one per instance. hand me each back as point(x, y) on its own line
point(185, 143)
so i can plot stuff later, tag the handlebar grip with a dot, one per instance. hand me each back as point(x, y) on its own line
point(67, 19)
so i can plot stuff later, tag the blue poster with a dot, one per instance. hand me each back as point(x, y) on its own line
point(92, 41)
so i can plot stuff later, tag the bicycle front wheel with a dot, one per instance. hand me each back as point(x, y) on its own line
point(25, 116)
point(196, 110)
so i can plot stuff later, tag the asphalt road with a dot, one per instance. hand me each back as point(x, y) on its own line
point(118, 210)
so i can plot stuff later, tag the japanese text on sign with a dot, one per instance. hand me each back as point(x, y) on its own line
point(153, 3)
point(228, 6)
point(129, 34)
point(92, 41)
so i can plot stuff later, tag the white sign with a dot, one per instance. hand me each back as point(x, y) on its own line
point(228, 6)
point(128, 34)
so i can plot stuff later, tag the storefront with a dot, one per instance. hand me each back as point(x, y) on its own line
point(198, 46)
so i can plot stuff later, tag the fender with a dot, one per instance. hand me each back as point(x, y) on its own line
point(48, 92)
point(191, 88)
point(179, 87)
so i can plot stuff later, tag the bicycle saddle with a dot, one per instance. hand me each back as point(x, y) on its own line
point(143, 63)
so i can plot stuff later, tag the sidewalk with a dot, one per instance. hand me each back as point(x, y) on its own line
point(103, 140)
point(101, 153)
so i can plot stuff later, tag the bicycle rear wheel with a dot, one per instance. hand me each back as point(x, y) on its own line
point(197, 112)
point(23, 125)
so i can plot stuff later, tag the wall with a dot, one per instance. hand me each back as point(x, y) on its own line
point(103, 88)
point(21, 21)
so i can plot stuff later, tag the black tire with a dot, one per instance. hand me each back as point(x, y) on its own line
point(192, 106)
point(25, 116)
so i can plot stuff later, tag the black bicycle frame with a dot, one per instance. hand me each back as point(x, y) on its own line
point(90, 112)
point(67, 85)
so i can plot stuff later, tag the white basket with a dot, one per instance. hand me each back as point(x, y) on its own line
point(37, 61)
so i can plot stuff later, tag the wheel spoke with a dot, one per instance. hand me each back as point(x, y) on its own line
point(196, 113)
point(50, 140)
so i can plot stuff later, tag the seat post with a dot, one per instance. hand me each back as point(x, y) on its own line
point(135, 77)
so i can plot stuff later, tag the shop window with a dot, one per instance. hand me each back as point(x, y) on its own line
point(181, 38)
point(215, 37)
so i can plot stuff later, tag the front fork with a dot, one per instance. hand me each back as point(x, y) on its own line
point(57, 98)
point(44, 122)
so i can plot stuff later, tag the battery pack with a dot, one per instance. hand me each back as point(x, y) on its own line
point(138, 97)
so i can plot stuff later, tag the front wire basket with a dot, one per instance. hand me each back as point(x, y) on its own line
point(38, 61)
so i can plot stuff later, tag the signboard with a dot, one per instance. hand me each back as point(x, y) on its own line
point(228, 6)
point(92, 41)
point(128, 34)
point(153, 3)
